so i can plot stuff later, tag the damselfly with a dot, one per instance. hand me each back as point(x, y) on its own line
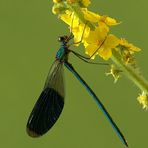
point(51, 101)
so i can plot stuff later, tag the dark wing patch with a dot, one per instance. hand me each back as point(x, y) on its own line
point(45, 112)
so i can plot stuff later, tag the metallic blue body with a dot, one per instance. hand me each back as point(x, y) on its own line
point(60, 52)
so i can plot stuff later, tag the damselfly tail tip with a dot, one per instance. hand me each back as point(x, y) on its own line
point(123, 139)
point(126, 143)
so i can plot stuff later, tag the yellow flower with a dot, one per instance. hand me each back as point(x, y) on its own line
point(99, 42)
point(129, 46)
point(143, 100)
point(108, 20)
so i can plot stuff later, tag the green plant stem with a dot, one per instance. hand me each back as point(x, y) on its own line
point(130, 72)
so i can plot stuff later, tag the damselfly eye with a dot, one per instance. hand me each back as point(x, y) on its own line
point(63, 38)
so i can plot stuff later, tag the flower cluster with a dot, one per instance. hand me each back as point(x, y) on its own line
point(96, 37)
point(93, 31)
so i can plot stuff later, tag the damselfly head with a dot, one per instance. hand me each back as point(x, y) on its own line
point(63, 39)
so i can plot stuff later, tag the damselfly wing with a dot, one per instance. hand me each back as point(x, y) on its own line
point(49, 106)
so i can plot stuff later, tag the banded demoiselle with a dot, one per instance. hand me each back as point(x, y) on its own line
point(50, 104)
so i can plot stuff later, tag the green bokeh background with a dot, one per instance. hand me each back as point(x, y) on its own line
point(28, 44)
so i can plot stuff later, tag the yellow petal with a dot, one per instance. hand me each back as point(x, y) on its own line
point(134, 48)
point(66, 18)
point(105, 53)
point(108, 20)
point(102, 30)
point(69, 18)
point(85, 43)
point(76, 33)
point(129, 46)
point(105, 50)
point(80, 33)
point(111, 41)
point(90, 16)
point(98, 35)
point(91, 49)
point(92, 38)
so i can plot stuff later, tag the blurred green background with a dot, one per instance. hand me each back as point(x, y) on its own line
point(28, 44)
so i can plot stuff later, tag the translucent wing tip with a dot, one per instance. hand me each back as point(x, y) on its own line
point(32, 134)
